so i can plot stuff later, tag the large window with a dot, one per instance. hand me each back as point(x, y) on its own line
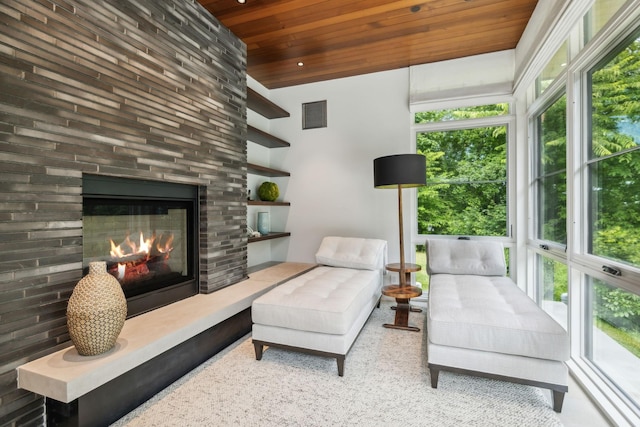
point(466, 191)
point(614, 157)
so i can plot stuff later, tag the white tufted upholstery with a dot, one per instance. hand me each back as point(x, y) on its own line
point(326, 300)
point(490, 313)
point(352, 252)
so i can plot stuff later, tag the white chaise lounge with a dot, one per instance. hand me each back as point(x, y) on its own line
point(322, 311)
point(480, 323)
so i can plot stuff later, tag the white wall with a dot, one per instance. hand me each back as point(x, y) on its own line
point(331, 184)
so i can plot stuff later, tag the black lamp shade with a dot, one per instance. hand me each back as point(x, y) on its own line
point(408, 170)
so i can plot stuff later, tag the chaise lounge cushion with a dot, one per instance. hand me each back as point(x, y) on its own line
point(352, 252)
point(326, 300)
point(490, 313)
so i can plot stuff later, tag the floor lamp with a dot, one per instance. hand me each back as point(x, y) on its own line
point(400, 171)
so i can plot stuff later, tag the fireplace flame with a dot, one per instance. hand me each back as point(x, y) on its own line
point(145, 245)
point(166, 246)
point(116, 251)
point(135, 257)
point(129, 247)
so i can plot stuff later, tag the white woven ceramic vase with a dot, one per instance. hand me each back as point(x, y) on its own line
point(96, 312)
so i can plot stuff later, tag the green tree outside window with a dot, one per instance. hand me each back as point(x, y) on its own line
point(466, 191)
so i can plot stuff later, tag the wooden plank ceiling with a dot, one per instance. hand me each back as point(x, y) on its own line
point(342, 38)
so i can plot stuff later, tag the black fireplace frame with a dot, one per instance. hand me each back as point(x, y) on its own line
point(116, 188)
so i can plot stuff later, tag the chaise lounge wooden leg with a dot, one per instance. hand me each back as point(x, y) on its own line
point(340, 360)
point(558, 399)
point(434, 377)
point(258, 348)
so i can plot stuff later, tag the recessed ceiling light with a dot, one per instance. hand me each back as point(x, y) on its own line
point(242, 1)
point(300, 64)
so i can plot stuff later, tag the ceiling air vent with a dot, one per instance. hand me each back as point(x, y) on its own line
point(314, 115)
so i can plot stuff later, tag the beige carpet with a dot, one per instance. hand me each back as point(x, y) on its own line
point(386, 383)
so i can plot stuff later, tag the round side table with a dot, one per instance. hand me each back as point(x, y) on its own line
point(408, 269)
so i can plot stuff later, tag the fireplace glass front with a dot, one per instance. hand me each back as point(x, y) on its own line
point(146, 236)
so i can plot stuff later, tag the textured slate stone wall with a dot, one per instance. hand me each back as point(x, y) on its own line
point(139, 88)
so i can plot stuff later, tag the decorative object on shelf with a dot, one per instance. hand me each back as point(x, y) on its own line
point(96, 312)
point(400, 171)
point(263, 223)
point(252, 233)
point(268, 192)
point(249, 195)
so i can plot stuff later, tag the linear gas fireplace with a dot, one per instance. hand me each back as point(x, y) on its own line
point(146, 232)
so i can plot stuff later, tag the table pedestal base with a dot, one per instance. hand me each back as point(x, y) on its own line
point(402, 295)
point(402, 316)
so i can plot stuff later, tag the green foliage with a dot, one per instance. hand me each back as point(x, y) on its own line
point(553, 135)
point(552, 182)
point(421, 260)
point(466, 182)
point(462, 113)
point(620, 243)
point(617, 307)
point(268, 191)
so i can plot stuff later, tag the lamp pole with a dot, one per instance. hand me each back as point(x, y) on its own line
point(403, 279)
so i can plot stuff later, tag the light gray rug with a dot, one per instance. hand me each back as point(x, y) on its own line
point(386, 383)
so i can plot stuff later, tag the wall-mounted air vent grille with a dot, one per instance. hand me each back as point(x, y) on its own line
point(314, 115)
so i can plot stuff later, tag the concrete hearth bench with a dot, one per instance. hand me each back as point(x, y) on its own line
point(322, 311)
point(480, 323)
point(153, 350)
